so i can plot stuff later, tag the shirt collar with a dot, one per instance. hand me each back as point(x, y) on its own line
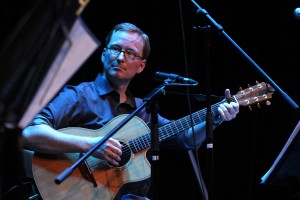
point(104, 87)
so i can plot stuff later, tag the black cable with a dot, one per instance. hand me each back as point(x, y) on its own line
point(200, 178)
point(15, 187)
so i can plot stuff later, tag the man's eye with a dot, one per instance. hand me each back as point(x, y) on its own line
point(131, 53)
point(115, 48)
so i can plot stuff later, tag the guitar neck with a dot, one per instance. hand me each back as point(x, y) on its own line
point(173, 128)
point(186, 122)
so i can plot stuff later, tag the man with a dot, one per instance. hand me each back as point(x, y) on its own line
point(91, 105)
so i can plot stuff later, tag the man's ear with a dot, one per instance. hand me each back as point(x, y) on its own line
point(102, 55)
point(141, 67)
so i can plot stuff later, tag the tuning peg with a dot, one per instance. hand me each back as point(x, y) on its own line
point(250, 108)
point(258, 105)
point(256, 82)
point(240, 88)
point(268, 103)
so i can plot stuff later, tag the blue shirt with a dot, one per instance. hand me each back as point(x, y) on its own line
point(93, 104)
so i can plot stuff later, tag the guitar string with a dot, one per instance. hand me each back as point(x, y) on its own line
point(140, 144)
point(167, 130)
point(135, 145)
point(143, 141)
point(139, 141)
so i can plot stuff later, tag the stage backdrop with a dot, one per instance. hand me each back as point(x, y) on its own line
point(245, 148)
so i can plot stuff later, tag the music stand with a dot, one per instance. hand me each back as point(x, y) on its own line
point(285, 171)
point(45, 48)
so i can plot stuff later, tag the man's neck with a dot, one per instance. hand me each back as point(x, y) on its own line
point(119, 87)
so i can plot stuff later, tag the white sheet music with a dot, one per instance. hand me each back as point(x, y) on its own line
point(74, 52)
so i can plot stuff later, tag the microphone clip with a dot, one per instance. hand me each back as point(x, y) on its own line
point(174, 79)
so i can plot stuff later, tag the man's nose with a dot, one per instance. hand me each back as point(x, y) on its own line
point(121, 55)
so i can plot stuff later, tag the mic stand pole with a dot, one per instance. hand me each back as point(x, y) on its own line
point(221, 31)
point(60, 178)
point(209, 128)
point(153, 108)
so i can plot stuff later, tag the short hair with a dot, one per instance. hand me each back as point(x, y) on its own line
point(131, 28)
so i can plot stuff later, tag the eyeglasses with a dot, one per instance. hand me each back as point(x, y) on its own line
point(129, 54)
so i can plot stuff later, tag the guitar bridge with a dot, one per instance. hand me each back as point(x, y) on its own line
point(86, 172)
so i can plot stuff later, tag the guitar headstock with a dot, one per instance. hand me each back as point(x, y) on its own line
point(255, 94)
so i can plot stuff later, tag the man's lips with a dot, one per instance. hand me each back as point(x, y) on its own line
point(118, 67)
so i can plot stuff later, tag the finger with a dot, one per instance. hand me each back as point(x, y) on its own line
point(112, 152)
point(236, 107)
point(116, 151)
point(227, 94)
point(233, 108)
point(116, 143)
point(227, 112)
point(110, 158)
point(115, 147)
point(115, 156)
point(221, 112)
point(113, 162)
point(230, 109)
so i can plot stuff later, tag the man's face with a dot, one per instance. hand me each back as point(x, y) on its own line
point(119, 66)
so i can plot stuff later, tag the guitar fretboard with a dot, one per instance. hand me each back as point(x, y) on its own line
point(173, 128)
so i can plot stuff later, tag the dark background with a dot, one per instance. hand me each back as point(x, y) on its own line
point(244, 148)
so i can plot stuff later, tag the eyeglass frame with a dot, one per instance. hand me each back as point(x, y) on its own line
point(118, 49)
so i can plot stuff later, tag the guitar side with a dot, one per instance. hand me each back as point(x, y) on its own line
point(109, 179)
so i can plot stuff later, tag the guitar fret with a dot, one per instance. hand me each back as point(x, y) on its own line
point(146, 139)
point(144, 142)
point(183, 122)
point(168, 130)
point(182, 127)
point(161, 134)
point(133, 146)
point(171, 130)
point(214, 111)
point(140, 146)
point(140, 143)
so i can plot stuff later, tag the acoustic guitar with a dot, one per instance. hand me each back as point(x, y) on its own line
point(95, 178)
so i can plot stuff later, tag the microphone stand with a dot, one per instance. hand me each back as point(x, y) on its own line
point(220, 29)
point(209, 125)
point(153, 109)
point(204, 13)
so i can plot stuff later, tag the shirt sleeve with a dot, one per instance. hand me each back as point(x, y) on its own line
point(61, 111)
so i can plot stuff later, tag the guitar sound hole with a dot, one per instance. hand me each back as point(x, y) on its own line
point(126, 154)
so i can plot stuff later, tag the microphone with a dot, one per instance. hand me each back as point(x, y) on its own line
point(297, 13)
point(161, 76)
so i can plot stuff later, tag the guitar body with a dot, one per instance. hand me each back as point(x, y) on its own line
point(109, 179)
